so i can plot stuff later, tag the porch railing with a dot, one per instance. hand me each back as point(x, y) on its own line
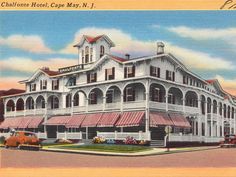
point(113, 106)
point(213, 139)
point(123, 135)
point(95, 107)
point(69, 135)
point(60, 111)
point(157, 105)
point(79, 109)
point(185, 138)
point(134, 104)
point(42, 135)
point(192, 110)
point(6, 135)
point(175, 107)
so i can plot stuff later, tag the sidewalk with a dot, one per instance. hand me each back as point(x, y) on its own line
point(154, 151)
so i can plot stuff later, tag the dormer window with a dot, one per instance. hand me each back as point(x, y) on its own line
point(110, 73)
point(86, 54)
point(129, 71)
point(82, 53)
point(102, 51)
point(91, 54)
point(33, 87)
point(91, 77)
point(55, 84)
point(43, 84)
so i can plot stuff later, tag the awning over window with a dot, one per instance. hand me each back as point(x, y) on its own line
point(159, 118)
point(21, 122)
point(129, 119)
point(36, 121)
point(91, 120)
point(58, 120)
point(75, 121)
point(179, 120)
point(108, 119)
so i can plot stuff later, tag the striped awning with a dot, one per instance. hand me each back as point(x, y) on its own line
point(130, 119)
point(21, 122)
point(179, 120)
point(58, 120)
point(35, 122)
point(75, 121)
point(91, 120)
point(159, 119)
point(108, 119)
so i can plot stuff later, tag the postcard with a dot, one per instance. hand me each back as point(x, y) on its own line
point(128, 88)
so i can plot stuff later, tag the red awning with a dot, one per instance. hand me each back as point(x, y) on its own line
point(108, 119)
point(91, 120)
point(179, 120)
point(159, 118)
point(75, 121)
point(7, 123)
point(58, 120)
point(35, 122)
point(130, 119)
point(24, 122)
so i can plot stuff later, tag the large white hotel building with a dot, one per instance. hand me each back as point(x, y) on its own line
point(119, 97)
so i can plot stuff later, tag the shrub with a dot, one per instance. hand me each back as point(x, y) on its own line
point(99, 140)
point(2, 139)
point(130, 140)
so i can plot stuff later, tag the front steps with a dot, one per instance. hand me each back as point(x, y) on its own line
point(157, 143)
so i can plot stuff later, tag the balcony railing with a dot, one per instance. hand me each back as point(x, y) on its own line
point(113, 106)
point(134, 104)
point(29, 112)
point(10, 114)
point(79, 109)
point(185, 138)
point(95, 107)
point(60, 111)
point(192, 110)
point(157, 105)
point(175, 107)
point(123, 135)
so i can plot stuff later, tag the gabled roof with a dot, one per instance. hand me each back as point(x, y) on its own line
point(119, 59)
point(91, 39)
point(11, 92)
point(49, 72)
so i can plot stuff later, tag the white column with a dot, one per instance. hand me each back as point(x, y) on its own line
point(218, 120)
point(183, 104)
point(86, 133)
point(206, 126)
point(121, 102)
point(147, 113)
point(199, 119)
point(212, 128)
point(15, 110)
point(166, 96)
point(34, 108)
point(72, 106)
point(86, 104)
point(104, 103)
point(223, 121)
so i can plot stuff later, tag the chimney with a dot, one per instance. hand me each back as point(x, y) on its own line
point(127, 56)
point(160, 48)
point(45, 68)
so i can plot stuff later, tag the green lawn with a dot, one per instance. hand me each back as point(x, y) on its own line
point(106, 148)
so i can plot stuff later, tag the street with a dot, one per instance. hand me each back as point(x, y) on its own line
point(33, 159)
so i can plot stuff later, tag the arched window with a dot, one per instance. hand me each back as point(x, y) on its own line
point(102, 50)
point(91, 54)
point(86, 54)
point(82, 53)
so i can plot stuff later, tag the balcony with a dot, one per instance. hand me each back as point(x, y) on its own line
point(79, 109)
point(60, 111)
point(113, 106)
point(213, 115)
point(95, 107)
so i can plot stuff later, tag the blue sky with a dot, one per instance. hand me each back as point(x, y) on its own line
point(205, 41)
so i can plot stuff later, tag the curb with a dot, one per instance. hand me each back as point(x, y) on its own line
point(124, 155)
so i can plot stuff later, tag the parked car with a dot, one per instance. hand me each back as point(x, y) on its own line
point(229, 141)
point(22, 140)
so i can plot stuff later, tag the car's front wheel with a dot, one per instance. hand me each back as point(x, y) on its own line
point(5, 145)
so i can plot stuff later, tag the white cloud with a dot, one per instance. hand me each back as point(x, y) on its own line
point(11, 82)
point(29, 65)
point(125, 43)
point(226, 34)
point(30, 43)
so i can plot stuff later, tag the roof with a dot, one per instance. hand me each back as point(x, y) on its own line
point(50, 72)
point(118, 58)
point(91, 39)
point(11, 92)
point(211, 81)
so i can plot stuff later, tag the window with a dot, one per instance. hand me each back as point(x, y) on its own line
point(86, 54)
point(91, 77)
point(129, 71)
point(110, 73)
point(102, 51)
point(93, 98)
point(43, 84)
point(155, 94)
point(110, 96)
point(171, 98)
point(55, 84)
point(33, 87)
point(170, 75)
point(129, 94)
point(91, 54)
point(71, 81)
point(185, 79)
point(68, 100)
point(154, 71)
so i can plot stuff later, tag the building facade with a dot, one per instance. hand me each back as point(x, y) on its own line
point(118, 97)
